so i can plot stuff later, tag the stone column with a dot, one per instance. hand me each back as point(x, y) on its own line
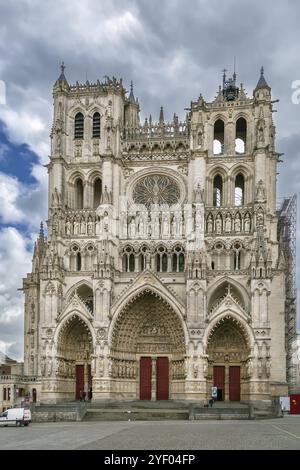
point(153, 379)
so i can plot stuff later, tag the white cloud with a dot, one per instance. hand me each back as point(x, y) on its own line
point(15, 262)
point(10, 191)
point(20, 203)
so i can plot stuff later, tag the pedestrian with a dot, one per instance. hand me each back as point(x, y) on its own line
point(80, 395)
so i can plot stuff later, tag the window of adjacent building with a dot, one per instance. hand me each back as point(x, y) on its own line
point(239, 189)
point(96, 126)
point(79, 126)
point(4, 394)
point(217, 191)
point(219, 133)
point(240, 135)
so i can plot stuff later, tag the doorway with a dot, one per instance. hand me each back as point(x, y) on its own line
point(162, 378)
point(234, 383)
point(145, 378)
point(79, 381)
point(219, 381)
point(158, 378)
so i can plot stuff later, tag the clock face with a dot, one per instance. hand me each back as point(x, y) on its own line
point(156, 189)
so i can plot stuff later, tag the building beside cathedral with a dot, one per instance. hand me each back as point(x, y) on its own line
point(168, 268)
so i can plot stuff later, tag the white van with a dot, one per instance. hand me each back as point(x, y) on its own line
point(15, 416)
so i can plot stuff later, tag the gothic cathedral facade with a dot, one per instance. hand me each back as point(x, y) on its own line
point(161, 274)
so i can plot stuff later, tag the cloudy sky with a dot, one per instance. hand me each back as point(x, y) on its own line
point(171, 49)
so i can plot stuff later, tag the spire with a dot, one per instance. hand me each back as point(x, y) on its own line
point(41, 235)
point(131, 96)
point(161, 115)
point(262, 81)
point(62, 77)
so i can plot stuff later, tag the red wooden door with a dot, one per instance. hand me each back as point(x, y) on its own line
point(234, 383)
point(162, 378)
point(79, 380)
point(90, 381)
point(145, 378)
point(219, 381)
point(295, 404)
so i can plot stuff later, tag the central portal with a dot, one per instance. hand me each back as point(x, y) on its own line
point(148, 335)
point(154, 378)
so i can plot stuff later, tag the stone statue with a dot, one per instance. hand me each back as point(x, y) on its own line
point(198, 194)
point(132, 228)
point(178, 217)
point(209, 224)
point(268, 367)
point(237, 224)
point(260, 134)
point(49, 366)
point(76, 227)
point(260, 191)
point(90, 227)
point(165, 226)
point(247, 223)
point(82, 227)
point(228, 223)
point(218, 225)
point(141, 228)
point(68, 227)
point(259, 367)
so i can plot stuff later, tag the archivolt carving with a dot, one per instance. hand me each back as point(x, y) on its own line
point(74, 343)
point(228, 341)
point(148, 325)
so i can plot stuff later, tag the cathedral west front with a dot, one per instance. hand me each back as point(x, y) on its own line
point(162, 273)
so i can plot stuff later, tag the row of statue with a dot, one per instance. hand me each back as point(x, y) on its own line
point(229, 223)
point(122, 369)
point(154, 224)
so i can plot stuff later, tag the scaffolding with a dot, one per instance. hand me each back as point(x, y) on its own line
point(287, 226)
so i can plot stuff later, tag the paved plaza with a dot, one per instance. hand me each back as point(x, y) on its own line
point(263, 434)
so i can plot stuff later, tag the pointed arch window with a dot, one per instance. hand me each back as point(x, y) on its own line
point(78, 262)
point(219, 135)
point(239, 190)
point(96, 125)
point(161, 260)
point(97, 192)
point(128, 260)
point(217, 191)
point(79, 126)
point(79, 194)
point(240, 136)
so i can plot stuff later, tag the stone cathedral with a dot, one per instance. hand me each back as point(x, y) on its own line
point(162, 274)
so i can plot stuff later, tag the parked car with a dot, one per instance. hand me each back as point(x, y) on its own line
point(15, 417)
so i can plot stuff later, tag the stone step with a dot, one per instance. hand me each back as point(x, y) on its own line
point(220, 416)
point(137, 415)
point(222, 411)
point(143, 404)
